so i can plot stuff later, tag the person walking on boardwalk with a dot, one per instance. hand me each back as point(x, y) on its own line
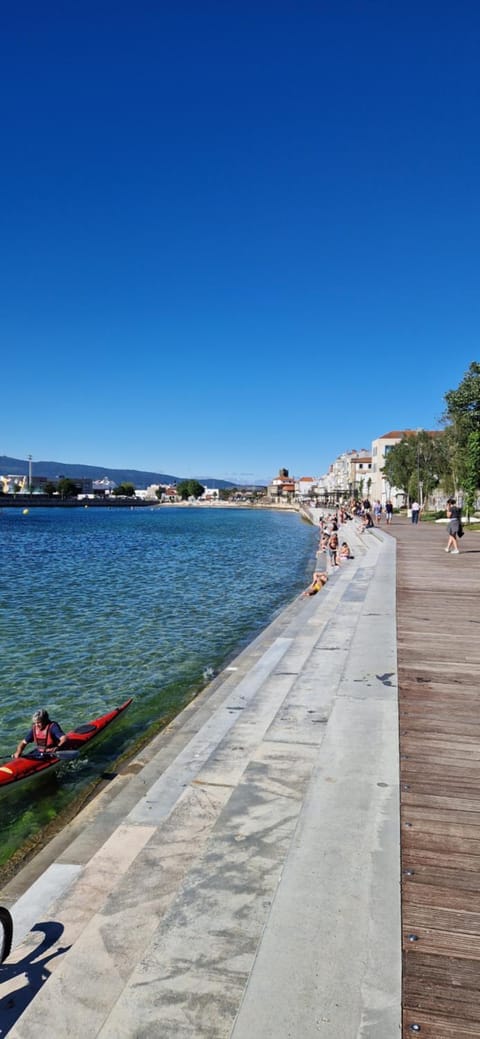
point(415, 508)
point(389, 510)
point(454, 515)
point(45, 734)
point(333, 548)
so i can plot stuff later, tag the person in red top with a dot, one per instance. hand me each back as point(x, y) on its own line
point(47, 735)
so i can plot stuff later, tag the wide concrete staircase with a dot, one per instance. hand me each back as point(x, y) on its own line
point(235, 879)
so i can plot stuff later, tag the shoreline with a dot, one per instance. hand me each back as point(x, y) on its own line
point(37, 844)
point(271, 799)
point(33, 503)
point(35, 855)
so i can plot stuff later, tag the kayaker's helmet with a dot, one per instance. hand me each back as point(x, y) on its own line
point(41, 717)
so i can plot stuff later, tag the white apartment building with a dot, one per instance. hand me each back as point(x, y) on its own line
point(347, 473)
point(381, 488)
point(305, 487)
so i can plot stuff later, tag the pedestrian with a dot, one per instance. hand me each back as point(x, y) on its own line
point(333, 548)
point(389, 511)
point(455, 530)
point(377, 511)
point(415, 509)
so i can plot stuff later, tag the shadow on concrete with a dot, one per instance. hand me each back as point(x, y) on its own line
point(32, 970)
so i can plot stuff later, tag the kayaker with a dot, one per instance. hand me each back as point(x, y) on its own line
point(47, 735)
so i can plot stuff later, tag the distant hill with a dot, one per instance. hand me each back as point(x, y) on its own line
point(53, 470)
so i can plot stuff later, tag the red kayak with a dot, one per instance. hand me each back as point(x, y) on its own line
point(35, 762)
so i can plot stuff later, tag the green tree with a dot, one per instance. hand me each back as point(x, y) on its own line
point(124, 490)
point(189, 489)
point(159, 491)
point(400, 463)
point(67, 488)
point(416, 464)
point(50, 488)
point(462, 418)
point(471, 479)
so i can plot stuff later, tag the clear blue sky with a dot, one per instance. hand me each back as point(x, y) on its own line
point(234, 236)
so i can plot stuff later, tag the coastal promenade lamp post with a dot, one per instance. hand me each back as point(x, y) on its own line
point(29, 474)
point(419, 482)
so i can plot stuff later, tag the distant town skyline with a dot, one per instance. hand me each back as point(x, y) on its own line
point(246, 239)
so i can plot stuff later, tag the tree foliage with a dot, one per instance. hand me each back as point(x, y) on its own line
point(67, 488)
point(471, 480)
point(399, 465)
point(189, 489)
point(463, 404)
point(416, 464)
point(462, 418)
point(124, 490)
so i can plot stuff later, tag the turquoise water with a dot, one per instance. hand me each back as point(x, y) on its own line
point(100, 605)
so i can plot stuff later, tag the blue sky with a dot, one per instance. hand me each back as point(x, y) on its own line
point(234, 236)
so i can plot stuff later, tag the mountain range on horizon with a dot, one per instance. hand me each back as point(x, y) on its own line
point(140, 478)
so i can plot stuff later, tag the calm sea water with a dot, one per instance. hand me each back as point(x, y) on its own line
point(99, 605)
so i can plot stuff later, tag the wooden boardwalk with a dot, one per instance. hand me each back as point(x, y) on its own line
point(438, 617)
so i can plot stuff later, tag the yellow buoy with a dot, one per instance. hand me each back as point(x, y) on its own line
point(26, 511)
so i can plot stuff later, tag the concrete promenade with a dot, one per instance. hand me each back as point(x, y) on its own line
point(240, 877)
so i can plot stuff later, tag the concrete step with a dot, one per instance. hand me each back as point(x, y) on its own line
point(157, 931)
point(177, 811)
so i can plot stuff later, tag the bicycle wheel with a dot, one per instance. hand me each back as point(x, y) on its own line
point(6, 933)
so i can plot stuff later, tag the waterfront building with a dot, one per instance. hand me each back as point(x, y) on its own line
point(381, 488)
point(210, 494)
point(20, 484)
point(345, 473)
point(104, 487)
point(360, 479)
point(282, 486)
point(305, 487)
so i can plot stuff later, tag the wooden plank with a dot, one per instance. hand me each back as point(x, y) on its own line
point(462, 976)
point(425, 841)
point(446, 820)
point(424, 797)
point(435, 1026)
point(466, 882)
point(435, 771)
point(439, 918)
point(440, 744)
point(434, 896)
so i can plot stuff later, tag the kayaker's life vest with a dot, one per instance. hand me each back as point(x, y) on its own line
point(43, 737)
